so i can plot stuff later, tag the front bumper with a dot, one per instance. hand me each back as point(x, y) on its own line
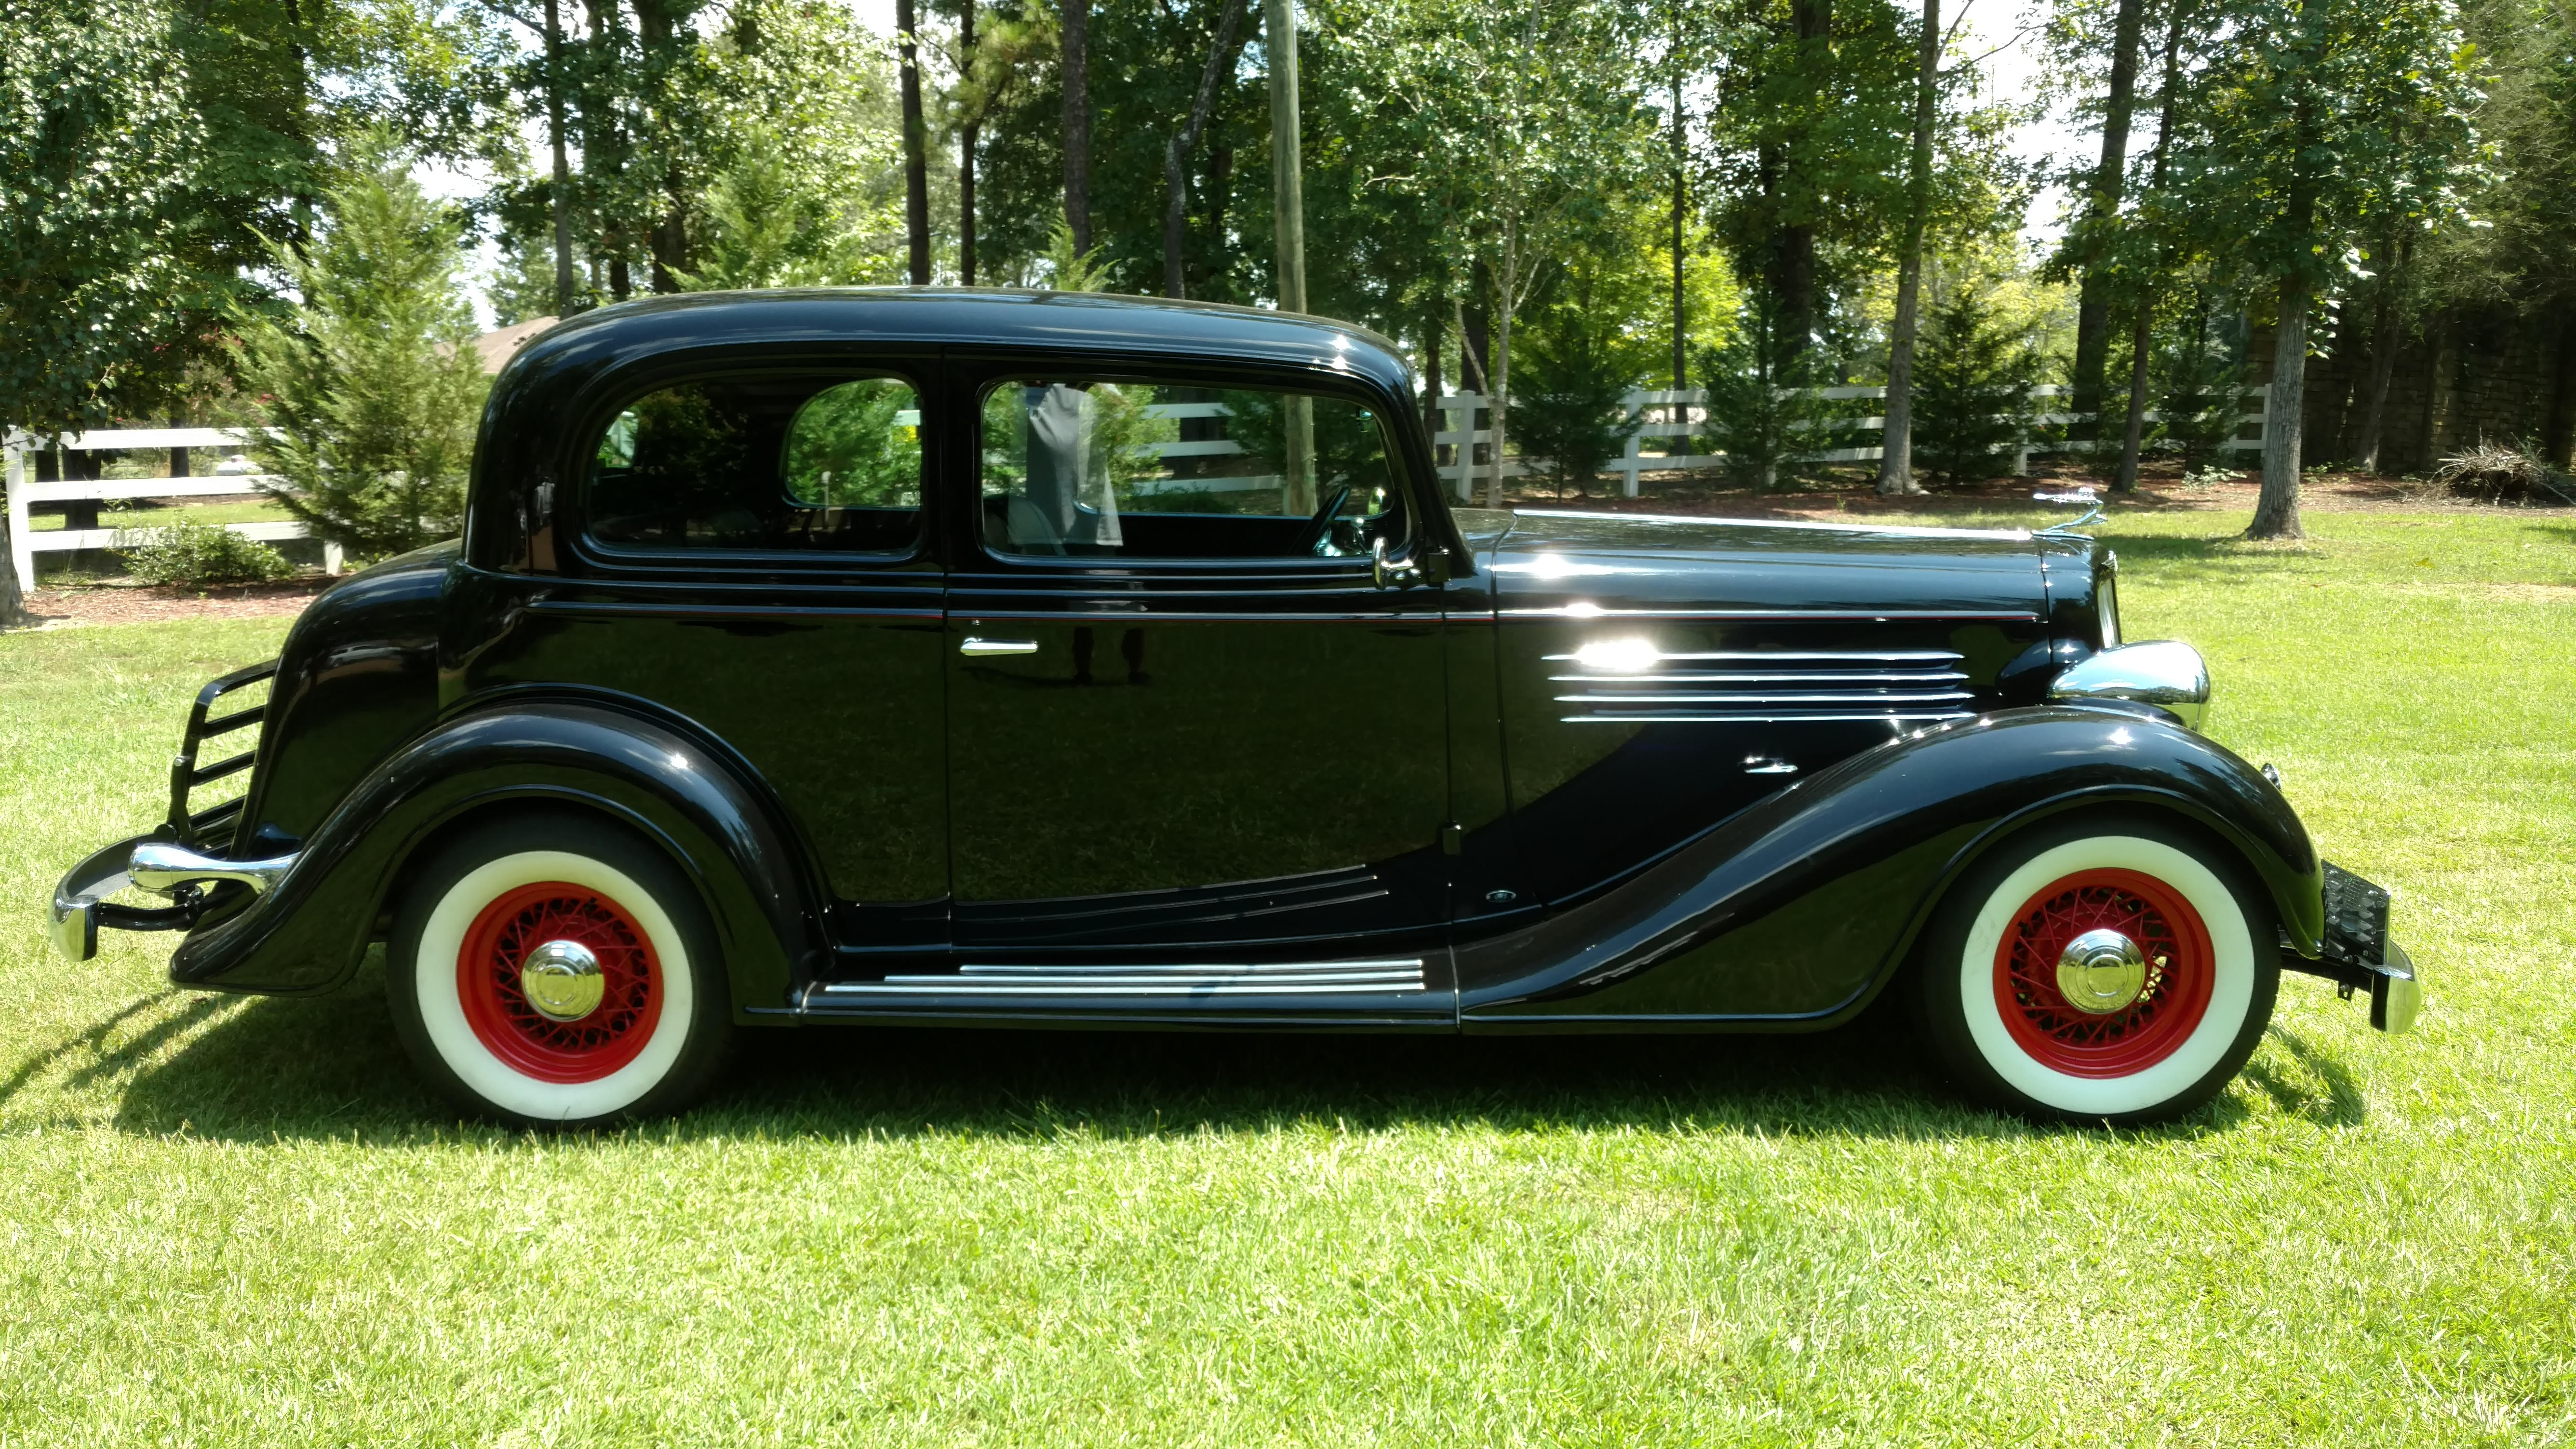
point(2358, 954)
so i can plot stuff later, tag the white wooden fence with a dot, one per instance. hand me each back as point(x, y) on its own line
point(25, 543)
point(1670, 416)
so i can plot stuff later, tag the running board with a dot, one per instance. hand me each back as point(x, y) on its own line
point(1109, 983)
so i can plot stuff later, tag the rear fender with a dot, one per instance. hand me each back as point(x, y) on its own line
point(1800, 910)
point(309, 933)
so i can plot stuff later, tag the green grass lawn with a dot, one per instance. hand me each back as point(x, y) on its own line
point(241, 1221)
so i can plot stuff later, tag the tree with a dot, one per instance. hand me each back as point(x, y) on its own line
point(1579, 363)
point(1176, 156)
point(98, 149)
point(1974, 390)
point(1527, 122)
point(2326, 118)
point(2085, 242)
point(916, 148)
point(1077, 121)
point(372, 386)
point(1896, 443)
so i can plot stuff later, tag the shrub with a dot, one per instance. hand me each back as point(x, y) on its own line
point(1567, 405)
point(1761, 414)
point(374, 387)
point(198, 553)
point(1972, 390)
point(2200, 405)
point(2494, 473)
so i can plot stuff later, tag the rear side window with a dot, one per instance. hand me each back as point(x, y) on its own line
point(761, 465)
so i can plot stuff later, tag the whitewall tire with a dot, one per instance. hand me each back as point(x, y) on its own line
point(553, 968)
point(2098, 967)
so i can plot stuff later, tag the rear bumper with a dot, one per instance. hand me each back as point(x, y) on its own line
point(78, 908)
point(157, 864)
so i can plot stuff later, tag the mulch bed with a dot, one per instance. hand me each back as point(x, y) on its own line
point(149, 603)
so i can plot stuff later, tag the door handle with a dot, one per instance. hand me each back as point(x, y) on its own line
point(974, 648)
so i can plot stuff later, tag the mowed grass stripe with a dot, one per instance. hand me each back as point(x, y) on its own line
point(228, 1221)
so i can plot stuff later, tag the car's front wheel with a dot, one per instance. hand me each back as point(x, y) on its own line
point(2095, 967)
point(551, 967)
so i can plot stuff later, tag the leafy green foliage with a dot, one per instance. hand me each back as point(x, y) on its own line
point(99, 153)
point(1763, 415)
point(373, 387)
point(193, 553)
point(852, 445)
point(1973, 380)
point(1575, 375)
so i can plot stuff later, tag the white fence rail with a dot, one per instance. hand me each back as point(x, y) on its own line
point(25, 543)
point(1669, 415)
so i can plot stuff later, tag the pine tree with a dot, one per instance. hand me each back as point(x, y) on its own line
point(372, 384)
point(1972, 390)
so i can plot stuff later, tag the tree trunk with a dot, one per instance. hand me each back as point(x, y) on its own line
point(2276, 513)
point(13, 610)
point(2093, 307)
point(1896, 442)
point(966, 137)
point(1077, 122)
point(1176, 154)
point(560, 197)
point(2142, 331)
point(1681, 157)
point(1431, 381)
point(916, 145)
point(1793, 248)
point(2383, 366)
point(2133, 435)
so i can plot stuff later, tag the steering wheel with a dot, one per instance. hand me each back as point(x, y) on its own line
point(1312, 535)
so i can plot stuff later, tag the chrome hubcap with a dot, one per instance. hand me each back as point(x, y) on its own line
point(2100, 972)
point(561, 980)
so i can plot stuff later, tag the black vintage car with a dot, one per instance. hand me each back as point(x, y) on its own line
point(983, 658)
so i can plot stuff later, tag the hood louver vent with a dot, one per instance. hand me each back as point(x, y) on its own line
point(1763, 687)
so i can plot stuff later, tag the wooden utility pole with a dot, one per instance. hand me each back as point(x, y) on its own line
point(1289, 201)
point(966, 138)
point(1077, 123)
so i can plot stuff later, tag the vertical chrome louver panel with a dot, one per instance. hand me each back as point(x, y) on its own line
point(1763, 687)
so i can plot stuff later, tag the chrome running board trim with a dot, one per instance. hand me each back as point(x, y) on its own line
point(1299, 978)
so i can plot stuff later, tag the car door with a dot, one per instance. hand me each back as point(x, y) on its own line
point(1188, 725)
point(751, 556)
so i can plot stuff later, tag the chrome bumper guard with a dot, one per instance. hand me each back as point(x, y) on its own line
point(2357, 953)
point(149, 862)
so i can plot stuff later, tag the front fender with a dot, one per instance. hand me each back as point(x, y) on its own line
point(1802, 907)
point(309, 933)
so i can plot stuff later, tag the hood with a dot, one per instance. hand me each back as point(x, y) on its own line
point(1595, 564)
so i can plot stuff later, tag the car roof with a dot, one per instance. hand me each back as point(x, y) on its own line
point(958, 316)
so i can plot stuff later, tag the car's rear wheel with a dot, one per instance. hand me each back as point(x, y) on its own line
point(2100, 967)
point(552, 967)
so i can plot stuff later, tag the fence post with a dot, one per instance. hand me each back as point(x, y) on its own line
point(22, 557)
point(1629, 463)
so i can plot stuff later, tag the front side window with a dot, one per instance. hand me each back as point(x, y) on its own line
point(1076, 467)
point(761, 464)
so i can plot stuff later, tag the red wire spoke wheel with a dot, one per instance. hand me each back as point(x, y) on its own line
point(491, 987)
point(2166, 1004)
point(554, 968)
point(2117, 966)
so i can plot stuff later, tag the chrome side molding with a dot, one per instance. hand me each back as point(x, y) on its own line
point(161, 867)
point(2166, 673)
